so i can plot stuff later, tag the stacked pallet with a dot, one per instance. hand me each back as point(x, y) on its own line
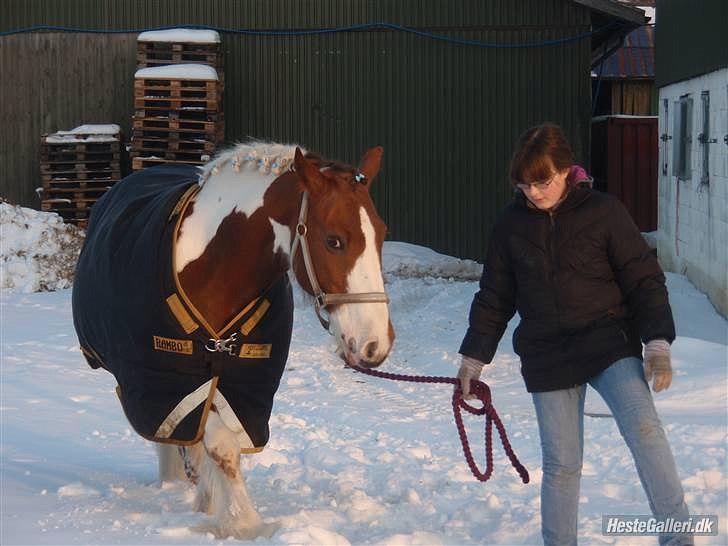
point(178, 114)
point(180, 46)
point(77, 167)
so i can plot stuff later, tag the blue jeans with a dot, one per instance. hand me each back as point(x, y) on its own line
point(561, 426)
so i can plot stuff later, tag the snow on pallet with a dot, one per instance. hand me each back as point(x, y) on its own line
point(77, 167)
point(180, 46)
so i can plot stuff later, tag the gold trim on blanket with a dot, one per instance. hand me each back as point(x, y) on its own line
point(181, 314)
point(254, 319)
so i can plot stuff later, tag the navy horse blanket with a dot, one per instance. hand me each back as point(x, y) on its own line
point(133, 320)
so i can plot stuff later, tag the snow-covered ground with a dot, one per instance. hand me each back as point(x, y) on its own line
point(352, 459)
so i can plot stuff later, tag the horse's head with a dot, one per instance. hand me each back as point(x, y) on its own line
point(344, 236)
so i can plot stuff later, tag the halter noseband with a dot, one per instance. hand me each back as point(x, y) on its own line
point(323, 299)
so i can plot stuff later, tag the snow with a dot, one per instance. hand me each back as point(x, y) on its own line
point(37, 250)
point(177, 72)
point(93, 129)
point(181, 35)
point(86, 133)
point(352, 459)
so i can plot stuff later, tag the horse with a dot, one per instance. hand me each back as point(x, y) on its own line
point(182, 292)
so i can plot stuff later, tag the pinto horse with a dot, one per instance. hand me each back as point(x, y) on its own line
point(182, 292)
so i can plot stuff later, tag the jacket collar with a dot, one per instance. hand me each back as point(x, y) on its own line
point(574, 197)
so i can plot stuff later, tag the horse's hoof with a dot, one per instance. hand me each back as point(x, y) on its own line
point(202, 504)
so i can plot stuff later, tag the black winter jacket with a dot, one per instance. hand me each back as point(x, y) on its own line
point(584, 282)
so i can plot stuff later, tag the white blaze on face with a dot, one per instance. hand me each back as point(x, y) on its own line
point(363, 323)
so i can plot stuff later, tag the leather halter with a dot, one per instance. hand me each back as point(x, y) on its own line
point(323, 299)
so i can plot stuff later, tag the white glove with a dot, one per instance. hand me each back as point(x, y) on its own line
point(470, 368)
point(657, 364)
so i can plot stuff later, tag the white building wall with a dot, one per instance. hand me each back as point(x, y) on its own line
point(692, 236)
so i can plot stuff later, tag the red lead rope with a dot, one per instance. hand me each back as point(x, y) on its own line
point(482, 393)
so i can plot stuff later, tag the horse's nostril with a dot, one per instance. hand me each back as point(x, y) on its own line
point(370, 349)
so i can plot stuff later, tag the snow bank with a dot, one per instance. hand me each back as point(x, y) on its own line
point(37, 250)
point(181, 35)
point(405, 260)
point(178, 72)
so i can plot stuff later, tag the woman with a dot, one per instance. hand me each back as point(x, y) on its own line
point(589, 292)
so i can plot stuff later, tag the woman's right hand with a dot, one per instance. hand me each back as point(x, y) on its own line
point(470, 369)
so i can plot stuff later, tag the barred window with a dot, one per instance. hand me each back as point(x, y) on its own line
point(682, 138)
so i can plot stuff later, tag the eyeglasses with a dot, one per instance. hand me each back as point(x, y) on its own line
point(541, 185)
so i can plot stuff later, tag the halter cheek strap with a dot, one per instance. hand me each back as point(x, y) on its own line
point(323, 299)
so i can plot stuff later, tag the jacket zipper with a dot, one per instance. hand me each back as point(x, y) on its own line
point(552, 254)
point(555, 286)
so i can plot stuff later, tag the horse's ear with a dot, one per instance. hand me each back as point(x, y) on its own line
point(308, 173)
point(371, 162)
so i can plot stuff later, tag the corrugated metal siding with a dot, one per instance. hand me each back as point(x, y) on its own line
point(446, 114)
point(690, 39)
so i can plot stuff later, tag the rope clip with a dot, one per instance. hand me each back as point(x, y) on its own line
point(222, 345)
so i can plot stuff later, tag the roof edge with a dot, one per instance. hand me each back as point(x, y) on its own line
point(629, 14)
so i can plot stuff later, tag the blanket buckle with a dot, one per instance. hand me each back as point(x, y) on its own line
point(222, 345)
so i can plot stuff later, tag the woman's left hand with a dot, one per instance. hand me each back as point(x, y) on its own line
point(658, 364)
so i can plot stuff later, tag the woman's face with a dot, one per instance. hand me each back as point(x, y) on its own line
point(544, 194)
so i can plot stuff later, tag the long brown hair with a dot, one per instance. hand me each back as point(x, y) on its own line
point(538, 151)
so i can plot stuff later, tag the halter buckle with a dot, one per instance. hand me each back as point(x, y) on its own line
point(222, 345)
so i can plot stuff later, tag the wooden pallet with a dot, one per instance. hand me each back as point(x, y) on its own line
point(63, 185)
point(89, 167)
point(73, 177)
point(71, 156)
point(186, 115)
point(139, 163)
point(68, 205)
point(178, 103)
point(183, 89)
point(79, 147)
point(177, 125)
point(180, 134)
point(156, 142)
point(160, 57)
point(74, 193)
point(178, 47)
point(171, 155)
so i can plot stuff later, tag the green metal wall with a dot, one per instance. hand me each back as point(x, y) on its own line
point(446, 114)
point(690, 39)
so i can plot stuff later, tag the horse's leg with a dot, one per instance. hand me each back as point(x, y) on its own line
point(171, 464)
point(194, 458)
point(220, 477)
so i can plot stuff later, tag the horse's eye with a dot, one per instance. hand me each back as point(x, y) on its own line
point(334, 243)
